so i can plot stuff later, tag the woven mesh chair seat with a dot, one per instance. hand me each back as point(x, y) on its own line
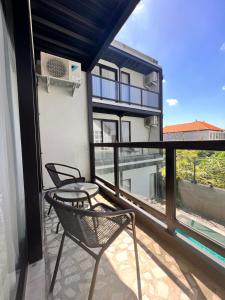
point(99, 230)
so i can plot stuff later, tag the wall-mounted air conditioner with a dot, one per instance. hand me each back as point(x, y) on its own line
point(58, 68)
point(151, 79)
point(151, 121)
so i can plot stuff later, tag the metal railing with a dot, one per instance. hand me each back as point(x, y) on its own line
point(109, 89)
point(169, 217)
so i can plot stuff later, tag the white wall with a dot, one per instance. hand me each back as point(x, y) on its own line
point(139, 133)
point(64, 127)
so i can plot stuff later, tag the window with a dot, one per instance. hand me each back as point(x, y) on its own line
point(125, 77)
point(125, 131)
point(109, 131)
point(105, 71)
point(105, 131)
point(97, 131)
point(109, 73)
point(104, 84)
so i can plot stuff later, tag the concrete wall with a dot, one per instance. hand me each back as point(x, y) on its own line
point(187, 136)
point(194, 135)
point(64, 127)
point(139, 133)
point(204, 200)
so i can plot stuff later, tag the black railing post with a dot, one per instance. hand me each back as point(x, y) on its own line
point(170, 188)
point(100, 87)
point(90, 125)
point(160, 104)
point(116, 169)
point(119, 86)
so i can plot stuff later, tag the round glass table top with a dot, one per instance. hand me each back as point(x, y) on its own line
point(75, 191)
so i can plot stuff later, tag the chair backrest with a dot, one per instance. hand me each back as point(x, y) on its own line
point(90, 227)
point(53, 174)
point(68, 216)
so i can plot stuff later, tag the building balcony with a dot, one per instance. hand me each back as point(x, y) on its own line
point(124, 96)
point(163, 271)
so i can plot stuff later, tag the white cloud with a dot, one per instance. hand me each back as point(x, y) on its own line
point(172, 102)
point(164, 81)
point(138, 8)
point(222, 48)
point(223, 88)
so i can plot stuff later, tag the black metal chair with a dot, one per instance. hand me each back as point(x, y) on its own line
point(55, 176)
point(91, 228)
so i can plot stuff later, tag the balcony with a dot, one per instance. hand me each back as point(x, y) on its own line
point(123, 94)
point(172, 251)
point(164, 273)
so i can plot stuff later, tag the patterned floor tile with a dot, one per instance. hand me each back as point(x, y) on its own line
point(162, 276)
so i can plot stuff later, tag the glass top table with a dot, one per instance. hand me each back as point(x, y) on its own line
point(73, 192)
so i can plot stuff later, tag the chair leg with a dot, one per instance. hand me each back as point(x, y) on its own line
point(136, 260)
point(49, 210)
point(50, 207)
point(57, 228)
point(57, 264)
point(93, 280)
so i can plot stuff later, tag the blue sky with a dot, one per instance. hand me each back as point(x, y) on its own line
point(188, 40)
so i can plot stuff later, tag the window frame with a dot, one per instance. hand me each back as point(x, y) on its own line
point(126, 73)
point(102, 66)
point(106, 120)
point(129, 123)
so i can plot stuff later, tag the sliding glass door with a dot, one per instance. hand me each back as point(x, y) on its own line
point(13, 256)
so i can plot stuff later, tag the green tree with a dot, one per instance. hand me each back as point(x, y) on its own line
point(209, 166)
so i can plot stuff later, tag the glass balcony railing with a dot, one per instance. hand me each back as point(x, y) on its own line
point(180, 184)
point(200, 197)
point(120, 92)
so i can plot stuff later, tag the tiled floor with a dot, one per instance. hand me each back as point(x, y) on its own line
point(162, 276)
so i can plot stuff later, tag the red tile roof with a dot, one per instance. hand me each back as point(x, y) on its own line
point(193, 126)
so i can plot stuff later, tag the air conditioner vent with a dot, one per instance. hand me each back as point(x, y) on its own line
point(151, 121)
point(151, 79)
point(56, 68)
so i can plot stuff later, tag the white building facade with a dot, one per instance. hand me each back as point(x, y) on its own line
point(127, 108)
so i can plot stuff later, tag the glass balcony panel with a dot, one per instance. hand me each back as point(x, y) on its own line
point(96, 86)
point(200, 185)
point(135, 95)
point(109, 89)
point(141, 172)
point(150, 99)
point(125, 92)
point(104, 163)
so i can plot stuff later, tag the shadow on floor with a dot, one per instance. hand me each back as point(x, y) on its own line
point(193, 290)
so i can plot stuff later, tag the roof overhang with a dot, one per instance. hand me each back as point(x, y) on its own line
point(78, 30)
point(124, 59)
